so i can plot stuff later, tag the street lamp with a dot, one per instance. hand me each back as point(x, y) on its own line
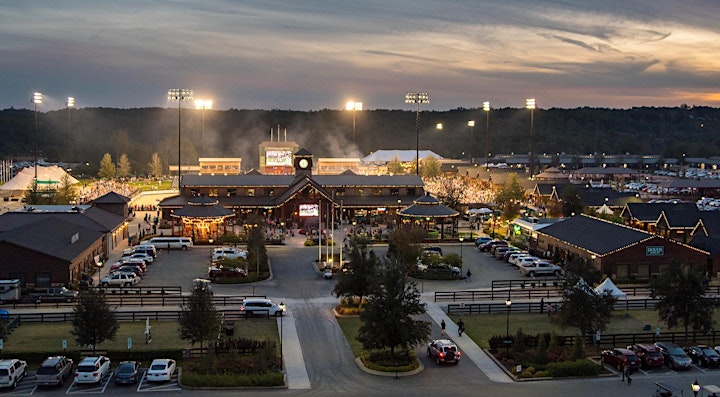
point(439, 126)
point(70, 103)
point(203, 104)
point(179, 95)
point(37, 98)
point(695, 387)
point(417, 98)
point(530, 104)
point(461, 241)
point(508, 303)
point(354, 106)
point(486, 109)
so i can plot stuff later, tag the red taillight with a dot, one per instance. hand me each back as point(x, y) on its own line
point(441, 354)
point(76, 374)
point(95, 374)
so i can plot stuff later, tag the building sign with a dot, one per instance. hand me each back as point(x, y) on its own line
point(278, 157)
point(309, 209)
point(654, 251)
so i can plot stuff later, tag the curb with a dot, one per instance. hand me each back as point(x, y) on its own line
point(367, 370)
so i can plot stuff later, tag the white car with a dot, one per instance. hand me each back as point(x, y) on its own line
point(160, 370)
point(12, 371)
point(120, 280)
point(229, 253)
point(92, 369)
point(260, 306)
point(141, 255)
point(525, 260)
point(515, 257)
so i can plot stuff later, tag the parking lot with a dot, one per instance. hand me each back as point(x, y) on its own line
point(27, 387)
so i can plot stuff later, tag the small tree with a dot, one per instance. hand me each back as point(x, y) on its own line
point(199, 319)
point(107, 168)
point(584, 309)
point(66, 192)
point(404, 245)
point(94, 321)
point(388, 320)
point(395, 166)
point(123, 169)
point(509, 195)
point(155, 166)
point(681, 291)
point(360, 272)
point(430, 167)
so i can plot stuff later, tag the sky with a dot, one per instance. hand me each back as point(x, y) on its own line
point(313, 55)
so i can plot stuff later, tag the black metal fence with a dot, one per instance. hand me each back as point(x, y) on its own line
point(138, 299)
point(155, 315)
point(537, 307)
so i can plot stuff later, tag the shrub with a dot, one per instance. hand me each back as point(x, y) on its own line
point(578, 350)
point(573, 368)
point(541, 355)
point(383, 362)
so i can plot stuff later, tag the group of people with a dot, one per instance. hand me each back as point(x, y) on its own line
point(460, 325)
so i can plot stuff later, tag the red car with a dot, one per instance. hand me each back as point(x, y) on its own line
point(621, 358)
point(650, 356)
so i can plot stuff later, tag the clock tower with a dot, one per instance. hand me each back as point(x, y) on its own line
point(303, 162)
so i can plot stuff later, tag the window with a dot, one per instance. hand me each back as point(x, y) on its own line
point(194, 192)
point(251, 192)
point(271, 192)
point(622, 271)
point(394, 192)
point(643, 269)
point(213, 193)
point(340, 192)
point(377, 191)
point(361, 192)
point(232, 192)
point(411, 192)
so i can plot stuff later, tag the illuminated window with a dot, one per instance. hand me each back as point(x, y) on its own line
point(377, 191)
point(394, 192)
point(251, 192)
point(271, 193)
point(340, 192)
point(232, 192)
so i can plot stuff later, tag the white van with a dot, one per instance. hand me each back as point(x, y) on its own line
point(171, 242)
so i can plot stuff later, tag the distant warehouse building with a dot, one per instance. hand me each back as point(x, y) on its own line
point(619, 251)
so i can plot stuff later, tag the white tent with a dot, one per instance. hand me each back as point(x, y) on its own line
point(480, 211)
point(608, 285)
point(48, 178)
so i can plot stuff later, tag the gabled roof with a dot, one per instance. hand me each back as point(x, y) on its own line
point(594, 234)
point(709, 223)
point(680, 219)
point(111, 198)
point(650, 212)
point(92, 218)
point(604, 171)
point(705, 243)
point(61, 239)
point(303, 152)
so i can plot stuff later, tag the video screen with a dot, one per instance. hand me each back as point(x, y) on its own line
point(275, 157)
point(309, 210)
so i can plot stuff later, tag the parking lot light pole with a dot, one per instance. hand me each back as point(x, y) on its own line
point(486, 109)
point(461, 256)
point(508, 304)
point(179, 95)
point(417, 98)
point(530, 105)
point(354, 106)
point(36, 99)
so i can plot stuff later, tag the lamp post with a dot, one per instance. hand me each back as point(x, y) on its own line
point(36, 99)
point(530, 104)
point(695, 387)
point(508, 304)
point(486, 109)
point(417, 98)
point(354, 106)
point(70, 103)
point(461, 241)
point(203, 104)
point(179, 95)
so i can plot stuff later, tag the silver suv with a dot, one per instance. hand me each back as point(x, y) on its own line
point(443, 351)
point(12, 371)
point(54, 371)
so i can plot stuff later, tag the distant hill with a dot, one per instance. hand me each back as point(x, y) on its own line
point(670, 132)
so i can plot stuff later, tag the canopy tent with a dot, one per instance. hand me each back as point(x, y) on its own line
point(608, 285)
point(480, 211)
point(49, 177)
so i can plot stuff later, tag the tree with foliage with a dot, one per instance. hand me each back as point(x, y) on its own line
point(94, 321)
point(360, 272)
point(395, 167)
point(155, 166)
point(388, 321)
point(572, 204)
point(257, 252)
point(451, 190)
point(584, 309)
point(404, 245)
point(123, 169)
point(681, 293)
point(31, 195)
point(580, 269)
point(107, 167)
point(199, 319)
point(508, 196)
point(430, 167)
point(66, 192)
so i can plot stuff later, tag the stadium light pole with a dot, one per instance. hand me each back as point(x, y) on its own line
point(179, 95)
point(354, 106)
point(417, 98)
point(486, 109)
point(203, 104)
point(36, 99)
point(70, 103)
point(530, 104)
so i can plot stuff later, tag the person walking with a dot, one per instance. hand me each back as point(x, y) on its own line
point(628, 372)
point(442, 327)
point(461, 327)
point(468, 275)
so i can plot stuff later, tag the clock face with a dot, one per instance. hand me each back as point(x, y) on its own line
point(303, 163)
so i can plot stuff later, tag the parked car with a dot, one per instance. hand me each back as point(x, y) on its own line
point(487, 246)
point(512, 250)
point(540, 268)
point(443, 351)
point(160, 370)
point(433, 250)
point(12, 371)
point(500, 251)
point(130, 269)
point(146, 249)
point(482, 240)
point(525, 260)
point(254, 306)
point(128, 372)
point(134, 261)
point(513, 258)
point(54, 371)
point(229, 253)
point(621, 358)
point(650, 356)
point(54, 294)
point(92, 369)
point(674, 356)
point(704, 356)
point(143, 256)
point(225, 272)
point(120, 280)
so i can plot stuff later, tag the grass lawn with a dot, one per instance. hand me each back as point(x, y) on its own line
point(165, 335)
point(350, 327)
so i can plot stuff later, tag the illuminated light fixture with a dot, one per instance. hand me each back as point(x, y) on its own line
point(417, 98)
point(179, 95)
point(202, 104)
point(486, 109)
point(530, 105)
point(37, 98)
point(354, 106)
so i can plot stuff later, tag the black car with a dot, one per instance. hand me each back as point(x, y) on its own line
point(705, 356)
point(128, 372)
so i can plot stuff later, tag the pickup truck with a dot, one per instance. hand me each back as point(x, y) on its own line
point(540, 268)
point(53, 294)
